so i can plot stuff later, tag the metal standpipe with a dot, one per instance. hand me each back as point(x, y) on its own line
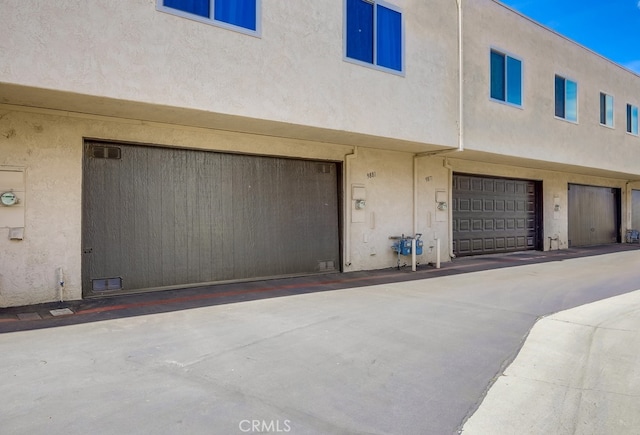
point(413, 255)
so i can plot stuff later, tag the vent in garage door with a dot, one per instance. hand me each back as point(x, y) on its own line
point(105, 152)
point(492, 215)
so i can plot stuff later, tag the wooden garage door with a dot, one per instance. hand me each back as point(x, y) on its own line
point(594, 215)
point(493, 215)
point(164, 218)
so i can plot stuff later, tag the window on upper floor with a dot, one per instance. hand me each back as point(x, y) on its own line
point(632, 119)
point(566, 99)
point(606, 109)
point(241, 15)
point(374, 34)
point(506, 78)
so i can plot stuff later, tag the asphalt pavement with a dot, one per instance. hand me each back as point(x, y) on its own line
point(416, 356)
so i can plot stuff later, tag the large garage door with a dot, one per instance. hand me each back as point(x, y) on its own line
point(594, 215)
point(165, 218)
point(635, 209)
point(493, 215)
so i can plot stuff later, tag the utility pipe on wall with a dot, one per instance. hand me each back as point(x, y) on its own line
point(348, 206)
point(61, 283)
point(446, 164)
point(460, 80)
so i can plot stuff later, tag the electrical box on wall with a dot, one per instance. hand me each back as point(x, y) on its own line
point(358, 203)
point(12, 200)
point(442, 206)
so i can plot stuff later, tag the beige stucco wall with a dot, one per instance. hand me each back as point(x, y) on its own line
point(533, 131)
point(48, 146)
point(388, 180)
point(294, 73)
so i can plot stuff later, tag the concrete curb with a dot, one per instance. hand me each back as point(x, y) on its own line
point(577, 373)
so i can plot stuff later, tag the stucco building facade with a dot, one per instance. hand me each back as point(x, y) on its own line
point(164, 144)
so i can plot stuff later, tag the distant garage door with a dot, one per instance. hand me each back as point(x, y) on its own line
point(594, 215)
point(493, 215)
point(157, 218)
point(635, 209)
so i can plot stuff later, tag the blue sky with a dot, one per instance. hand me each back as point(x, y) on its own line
point(608, 27)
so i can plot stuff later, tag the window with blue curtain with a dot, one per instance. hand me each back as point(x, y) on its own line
point(241, 13)
point(360, 30)
point(566, 99)
point(196, 7)
point(374, 33)
point(238, 13)
point(506, 78)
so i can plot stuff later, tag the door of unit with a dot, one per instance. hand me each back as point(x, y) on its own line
point(594, 215)
point(159, 218)
point(494, 215)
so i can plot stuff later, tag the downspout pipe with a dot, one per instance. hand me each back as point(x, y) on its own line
point(460, 80)
point(347, 202)
point(446, 164)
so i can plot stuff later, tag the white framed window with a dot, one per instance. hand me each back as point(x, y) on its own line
point(239, 15)
point(566, 99)
point(632, 119)
point(506, 78)
point(374, 34)
point(606, 109)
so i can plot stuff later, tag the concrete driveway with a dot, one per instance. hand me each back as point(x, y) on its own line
point(414, 357)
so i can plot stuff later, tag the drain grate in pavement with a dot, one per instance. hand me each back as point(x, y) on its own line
point(61, 312)
point(29, 316)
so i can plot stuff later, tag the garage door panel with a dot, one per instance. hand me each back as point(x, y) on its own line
point(489, 185)
point(594, 215)
point(477, 225)
point(635, 209)
point(161, 217)
point(506, 220)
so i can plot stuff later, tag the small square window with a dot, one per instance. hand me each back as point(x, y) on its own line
point(374, 34)
point(506, 78)
point(566, 99)
point(242, 15)
point(632, 119)
point(606, 109)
